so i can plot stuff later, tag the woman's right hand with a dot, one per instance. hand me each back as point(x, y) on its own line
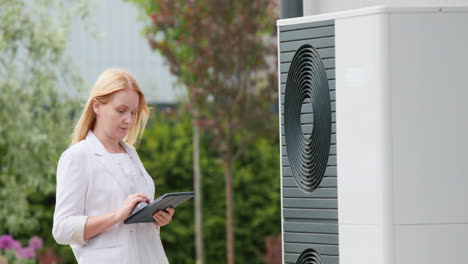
point(127, 207)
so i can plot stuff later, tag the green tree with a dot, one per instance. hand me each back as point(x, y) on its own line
point(36, 115)
point(165, 151)
point(224, 53)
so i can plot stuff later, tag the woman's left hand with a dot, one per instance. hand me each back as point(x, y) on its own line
point(163, 217)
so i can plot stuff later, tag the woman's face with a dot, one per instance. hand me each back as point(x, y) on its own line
point(117, 116)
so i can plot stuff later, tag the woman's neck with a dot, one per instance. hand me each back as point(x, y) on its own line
point(110, 144)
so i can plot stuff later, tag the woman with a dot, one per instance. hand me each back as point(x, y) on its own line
point(100, 179)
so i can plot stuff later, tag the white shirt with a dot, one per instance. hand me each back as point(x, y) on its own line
point(137, 183)
point(133, 177)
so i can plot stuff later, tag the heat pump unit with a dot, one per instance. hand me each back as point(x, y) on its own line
point(374, 125)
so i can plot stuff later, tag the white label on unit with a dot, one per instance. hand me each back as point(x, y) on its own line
point(354, 77)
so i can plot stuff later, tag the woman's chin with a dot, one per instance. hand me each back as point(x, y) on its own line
point(121, 135)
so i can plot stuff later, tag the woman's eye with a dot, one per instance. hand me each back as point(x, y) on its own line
point(121, 111)
point(134, 113)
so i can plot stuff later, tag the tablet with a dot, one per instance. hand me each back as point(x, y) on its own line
point(145, 214)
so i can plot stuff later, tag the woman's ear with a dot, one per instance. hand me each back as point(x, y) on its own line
point(96, 106)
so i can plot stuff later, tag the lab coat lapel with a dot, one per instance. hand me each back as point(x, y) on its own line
point(104, 158)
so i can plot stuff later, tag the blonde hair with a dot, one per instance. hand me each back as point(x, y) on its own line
point(109, 82)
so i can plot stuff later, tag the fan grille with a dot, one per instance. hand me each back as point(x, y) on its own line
point(309, 256)
point(307, 153)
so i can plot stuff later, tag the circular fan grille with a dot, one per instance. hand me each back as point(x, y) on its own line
point(309, 256)
point(307, 154)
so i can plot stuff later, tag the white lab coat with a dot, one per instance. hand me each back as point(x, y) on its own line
point(87, 185)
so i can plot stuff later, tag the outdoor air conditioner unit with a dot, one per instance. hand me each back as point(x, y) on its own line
point(374, 124)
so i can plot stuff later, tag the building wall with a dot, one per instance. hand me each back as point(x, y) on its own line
point(119, 43)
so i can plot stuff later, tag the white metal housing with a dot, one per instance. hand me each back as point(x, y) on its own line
point(401, 133)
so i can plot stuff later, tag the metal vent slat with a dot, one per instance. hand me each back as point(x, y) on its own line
point(329, 182)
point(299, 247)
point(331, 161)
point(333, 108)
point(328, 239)
point(330, 75)
point(331, 152)
point(308, 118)
point(291, 258)
point(332, 141)
point(318, 193)
point(296, 35)
point(331, 85)
point(329, 171)
point(318, 43)
point(311, 213)
point(328, 64)
point(307, 126)
point(307, 25)
point(317, 227)
point(294, 203)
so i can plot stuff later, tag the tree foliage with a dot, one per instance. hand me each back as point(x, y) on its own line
point(166, 153)
point(36, 115)
point(224, 53)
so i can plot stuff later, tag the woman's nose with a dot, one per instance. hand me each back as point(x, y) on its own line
point(127, 119)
